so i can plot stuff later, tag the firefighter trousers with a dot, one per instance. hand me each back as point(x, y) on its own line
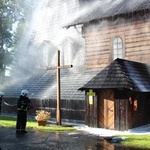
point(21, 121)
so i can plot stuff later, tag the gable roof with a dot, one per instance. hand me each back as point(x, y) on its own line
point(122, 74)
point(110, 8)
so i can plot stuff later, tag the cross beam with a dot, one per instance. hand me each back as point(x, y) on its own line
point(58, 67)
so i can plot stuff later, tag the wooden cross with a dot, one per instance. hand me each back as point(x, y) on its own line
point(58, 67)
point(91, 93)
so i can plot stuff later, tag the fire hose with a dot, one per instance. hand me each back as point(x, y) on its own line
point(9, 104)
point(12, 105)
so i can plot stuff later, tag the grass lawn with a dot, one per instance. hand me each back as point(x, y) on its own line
point(32, 124)
point(138, 141)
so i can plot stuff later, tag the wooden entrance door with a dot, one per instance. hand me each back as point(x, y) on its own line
point(106, 109)
point(108, 113)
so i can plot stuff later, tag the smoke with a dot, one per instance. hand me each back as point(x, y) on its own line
point(45, 34)
point(24, 57)
point(42, 35)
point(83, 10)
point(48, 27)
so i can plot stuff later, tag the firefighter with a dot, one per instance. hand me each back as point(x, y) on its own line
point(23, 105)
point(1, 99)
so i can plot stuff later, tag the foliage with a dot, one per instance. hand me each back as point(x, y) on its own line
point(22, 33)
point(42, 115)
point(7, 18)
point(13, 14)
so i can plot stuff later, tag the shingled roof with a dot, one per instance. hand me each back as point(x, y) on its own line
point(109, 8)
point(42, 85)
point(122, 74)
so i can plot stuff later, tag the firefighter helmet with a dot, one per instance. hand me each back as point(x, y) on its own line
point(24, 92)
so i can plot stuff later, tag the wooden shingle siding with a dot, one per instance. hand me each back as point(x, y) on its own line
point(135, 35)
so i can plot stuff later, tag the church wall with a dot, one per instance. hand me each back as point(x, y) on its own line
point(134, 32)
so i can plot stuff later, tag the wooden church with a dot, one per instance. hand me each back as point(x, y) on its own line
point(111, 88)
point(40, 45)
point(117, 35)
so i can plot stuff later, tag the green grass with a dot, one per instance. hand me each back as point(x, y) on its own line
point(138, 141)
point(32, 124)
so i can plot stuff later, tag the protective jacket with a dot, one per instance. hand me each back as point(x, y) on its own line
point(24, 103)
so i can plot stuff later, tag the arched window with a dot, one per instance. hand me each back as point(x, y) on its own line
point(117, 48)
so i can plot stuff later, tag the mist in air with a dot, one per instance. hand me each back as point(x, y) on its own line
point(38, 46)
point(45, 34)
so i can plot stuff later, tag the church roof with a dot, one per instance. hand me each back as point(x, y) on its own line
point(122, 74)
point(109, 8)
point(42, 85)
point(119, 74)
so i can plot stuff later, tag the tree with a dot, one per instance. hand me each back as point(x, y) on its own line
point(6, 40)
point(13, 14)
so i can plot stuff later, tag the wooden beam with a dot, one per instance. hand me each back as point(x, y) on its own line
point(58, 67)
point(58, 116)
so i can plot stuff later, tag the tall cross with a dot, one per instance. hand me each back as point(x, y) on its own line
point(58, 67)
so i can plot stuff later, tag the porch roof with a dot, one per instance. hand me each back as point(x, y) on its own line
point(122, 74)
point(109, 8)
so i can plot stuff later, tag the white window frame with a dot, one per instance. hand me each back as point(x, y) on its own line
point(120, 52)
